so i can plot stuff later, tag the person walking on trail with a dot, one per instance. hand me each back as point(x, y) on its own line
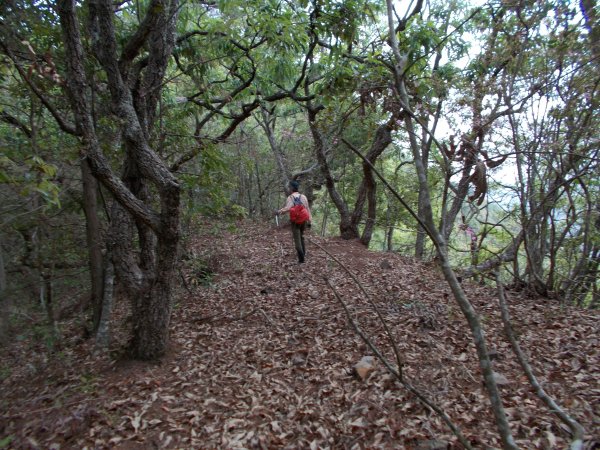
point(300, 218)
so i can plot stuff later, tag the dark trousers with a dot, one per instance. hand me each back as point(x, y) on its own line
point(298, 234)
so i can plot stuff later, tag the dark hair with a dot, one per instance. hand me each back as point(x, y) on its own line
point(294, 185)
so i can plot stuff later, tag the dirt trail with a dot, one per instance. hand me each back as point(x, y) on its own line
point(262, 357)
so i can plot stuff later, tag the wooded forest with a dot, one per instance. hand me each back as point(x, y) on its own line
point(457, 136)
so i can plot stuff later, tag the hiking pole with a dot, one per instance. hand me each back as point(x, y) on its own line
point(277, 218)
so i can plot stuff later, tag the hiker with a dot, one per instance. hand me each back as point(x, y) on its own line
point(300, 218)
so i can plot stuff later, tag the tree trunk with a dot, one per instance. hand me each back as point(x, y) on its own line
point(153, 312)
point(426, 142)
point(421, 235)
point(383, 138)
point(94, 240)
point(5, 307)
point(261, 193)
point(389, 231)
point(324, 222)
point(285, 175)
point(48, 302)
point(441, 245)
point(348, 229)
point(148, 284)
point(103, 334)
point(595, 302)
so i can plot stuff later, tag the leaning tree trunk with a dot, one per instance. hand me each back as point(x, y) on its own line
point(441, 245)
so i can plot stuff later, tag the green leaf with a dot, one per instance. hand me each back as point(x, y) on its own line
point(5, 441)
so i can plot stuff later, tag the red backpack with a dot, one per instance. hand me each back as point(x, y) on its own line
point(298, 212)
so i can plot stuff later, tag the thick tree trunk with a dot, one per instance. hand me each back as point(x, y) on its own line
point(148, 284)
point(153, 311)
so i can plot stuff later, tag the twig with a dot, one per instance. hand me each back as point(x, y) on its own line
point(267, 318)
point(465, 305)
point(227, 319)
point(185, 283)
point(577, 430)
point(397, 374)
point(371, 302)
point(49, 408)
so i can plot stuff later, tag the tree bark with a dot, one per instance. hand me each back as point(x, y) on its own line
point(149, 284)
point(103, 334)
point(348, 229)
point(284, 171)
point(585, 272)
point(94, 240)
point(368, 188)
point(5, 307)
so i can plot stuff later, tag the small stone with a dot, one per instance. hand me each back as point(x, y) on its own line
point(364, 367)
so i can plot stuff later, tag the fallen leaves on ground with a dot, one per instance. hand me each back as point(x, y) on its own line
point(262, 356)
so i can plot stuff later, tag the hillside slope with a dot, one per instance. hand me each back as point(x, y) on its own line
point(262, 356)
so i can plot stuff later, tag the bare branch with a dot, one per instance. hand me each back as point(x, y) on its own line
point(5, 117)
point(395, 373)
point(62, 122)
point(577, 430)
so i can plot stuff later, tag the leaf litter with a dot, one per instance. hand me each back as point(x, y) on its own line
point(263, 357)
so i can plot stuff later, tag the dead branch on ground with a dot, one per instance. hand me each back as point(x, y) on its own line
point(577, 430)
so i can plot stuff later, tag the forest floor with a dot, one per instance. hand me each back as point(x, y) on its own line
point(262, 356)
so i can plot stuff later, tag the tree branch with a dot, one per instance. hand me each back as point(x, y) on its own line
point(62, 123)
point(577, 430)
point(397, 374)
point(5, 117)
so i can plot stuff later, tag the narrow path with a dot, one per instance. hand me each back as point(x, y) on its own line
point(262, 357)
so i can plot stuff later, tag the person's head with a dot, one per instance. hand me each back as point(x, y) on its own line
point(294, 185)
